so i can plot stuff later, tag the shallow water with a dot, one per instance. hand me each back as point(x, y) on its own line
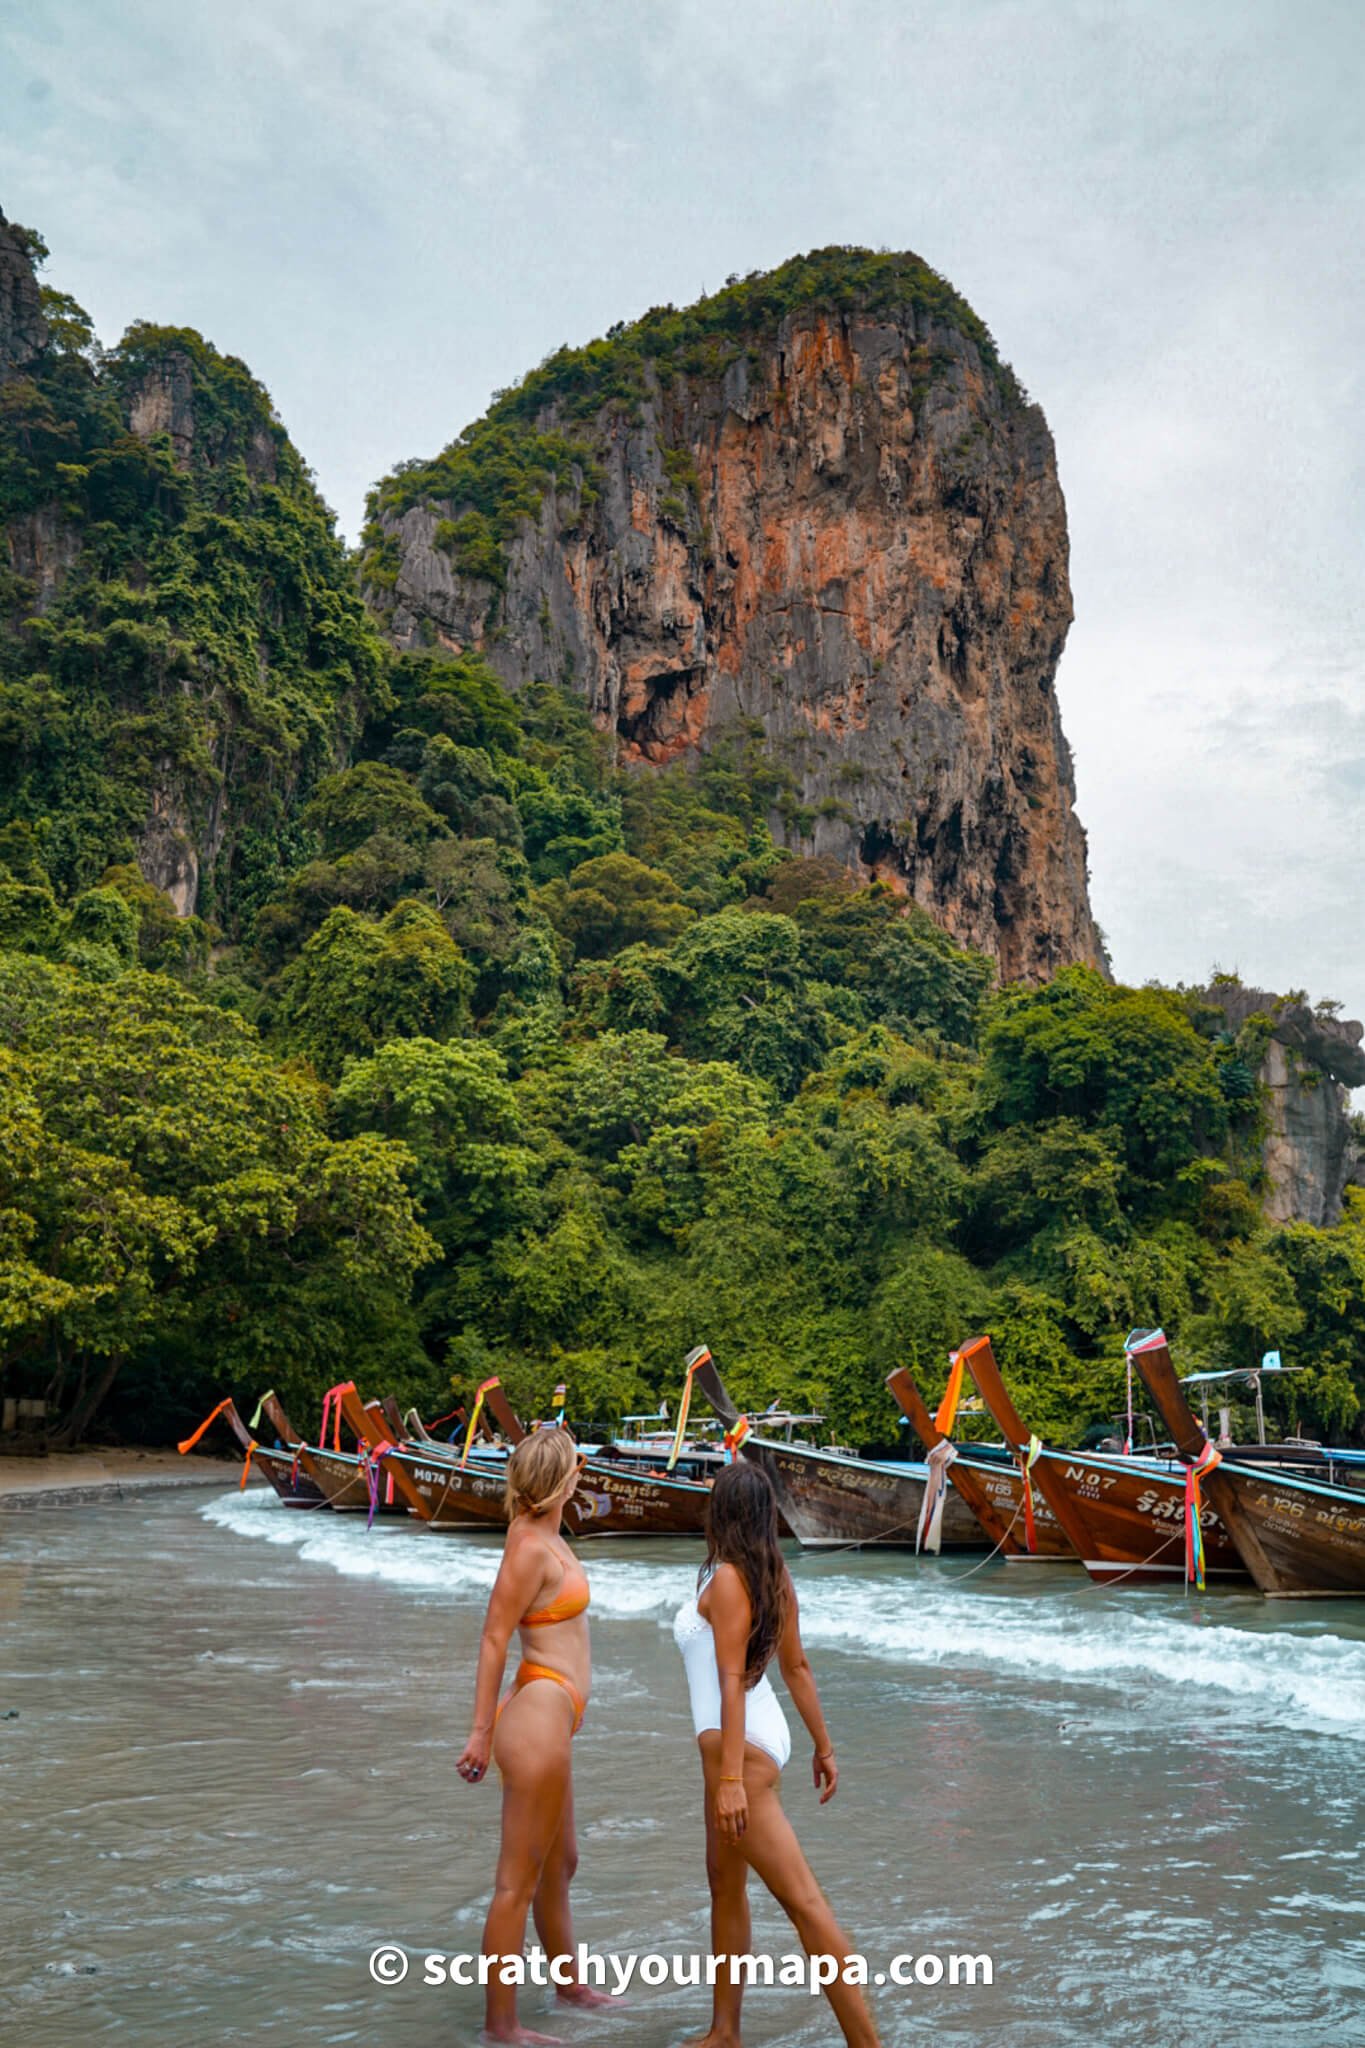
point(232, 1777)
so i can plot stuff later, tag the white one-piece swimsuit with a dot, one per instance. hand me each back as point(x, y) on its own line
point(764, 1721)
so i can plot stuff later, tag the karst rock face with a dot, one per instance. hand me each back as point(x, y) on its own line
point(845, 537)
point(23, 330)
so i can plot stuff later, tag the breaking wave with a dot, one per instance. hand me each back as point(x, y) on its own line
point(1147, 1646)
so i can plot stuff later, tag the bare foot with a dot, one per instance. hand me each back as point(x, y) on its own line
point(586, 1999)
point(713, 2040)
point(523, 2037)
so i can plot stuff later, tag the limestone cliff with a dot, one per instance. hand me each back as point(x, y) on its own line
point(815, 508)
point(1311, 1059)
point(23, 330)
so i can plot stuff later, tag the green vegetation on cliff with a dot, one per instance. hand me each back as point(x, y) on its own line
point(182, 649)
point(482, 1055)
point(532, 438)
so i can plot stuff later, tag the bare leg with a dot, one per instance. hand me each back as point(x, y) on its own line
point(531, 1748)
point(552, 1914)
point(727, 1873)
point(770, 1848)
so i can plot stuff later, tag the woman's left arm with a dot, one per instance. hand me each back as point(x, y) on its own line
point(800, 1681)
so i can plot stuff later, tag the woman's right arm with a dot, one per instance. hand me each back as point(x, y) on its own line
point(515, 1587)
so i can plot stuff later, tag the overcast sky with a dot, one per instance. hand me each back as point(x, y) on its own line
point(392, 210)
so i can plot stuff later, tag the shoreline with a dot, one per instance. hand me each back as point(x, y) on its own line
point(68, 1479)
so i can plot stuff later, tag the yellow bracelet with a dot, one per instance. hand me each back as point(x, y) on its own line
point(731, 1781)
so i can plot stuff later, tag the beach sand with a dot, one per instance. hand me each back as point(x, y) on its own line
point(79, 1478)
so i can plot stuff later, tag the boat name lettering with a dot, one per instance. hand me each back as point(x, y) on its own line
point(1090, 1482)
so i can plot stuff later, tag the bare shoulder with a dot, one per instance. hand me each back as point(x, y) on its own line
point(724, 1589)
point(525, 1544)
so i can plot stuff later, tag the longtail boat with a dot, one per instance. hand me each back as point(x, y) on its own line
point(830, 1498)
point(1124, 1517)
point(1299, 1456)
point(450, 1494)
point(1301, 1539)
point(993, 1490)
point(337, 1474)
point(427, 1481)
point(280, 1467)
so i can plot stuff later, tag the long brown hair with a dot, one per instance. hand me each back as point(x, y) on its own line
point(742, 1530)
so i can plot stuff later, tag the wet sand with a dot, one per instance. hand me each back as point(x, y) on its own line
point(85, 1477)
point(232, 1777)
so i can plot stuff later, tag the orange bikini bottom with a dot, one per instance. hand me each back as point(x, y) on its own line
point(527, 1672)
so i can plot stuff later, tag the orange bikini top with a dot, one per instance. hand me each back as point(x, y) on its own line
point(568, 1601)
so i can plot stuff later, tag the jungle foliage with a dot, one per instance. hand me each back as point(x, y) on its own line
point(480, 1054)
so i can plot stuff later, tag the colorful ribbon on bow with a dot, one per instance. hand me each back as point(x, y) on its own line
point(734, 1437)
point(946, 1414)
point(479, 1399)
point(560, 1396)
point(929, 1532)
point(268, 1395)
point(251, 1448)
point(1194, 1533)
point(331, 1406)
point(211, 1417)
point(1028, 1458)
point(372, 1460)
point(684, 1407)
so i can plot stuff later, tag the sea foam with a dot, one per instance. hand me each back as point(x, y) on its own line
point(1145, 1646)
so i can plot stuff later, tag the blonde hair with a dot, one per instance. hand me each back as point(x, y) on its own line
point(537, 1470)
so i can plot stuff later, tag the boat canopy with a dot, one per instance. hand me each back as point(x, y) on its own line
point(1240, 1372)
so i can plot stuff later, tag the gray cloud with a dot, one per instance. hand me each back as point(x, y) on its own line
point(390, 212)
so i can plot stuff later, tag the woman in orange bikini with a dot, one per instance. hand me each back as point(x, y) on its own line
point(542, 1591)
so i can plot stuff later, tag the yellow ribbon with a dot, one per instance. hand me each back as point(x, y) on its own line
point(684, 1406)
point(474, 1418)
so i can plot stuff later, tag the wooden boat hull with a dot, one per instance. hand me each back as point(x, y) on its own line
point(1301, 1541)
point(336, 1479)
point(289, 1480)
point(828, 1501)
point(1133, 1520)
point(992, 1487)
point(615, 1502)
point(995, 1495)
point(1300, 1538)
point(280, 1467)
point(1124, 1519)
point(447, 1495)
point(341, 1478)
point(609, 1502)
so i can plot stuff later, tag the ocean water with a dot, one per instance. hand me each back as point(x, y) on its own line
point(229, 1776)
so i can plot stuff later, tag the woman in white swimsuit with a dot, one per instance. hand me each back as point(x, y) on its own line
point(745, 1614)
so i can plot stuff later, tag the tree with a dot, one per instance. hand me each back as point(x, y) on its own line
point(614, 902)
point(359, 981)
point(163, 1182)
point(459, 1119)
